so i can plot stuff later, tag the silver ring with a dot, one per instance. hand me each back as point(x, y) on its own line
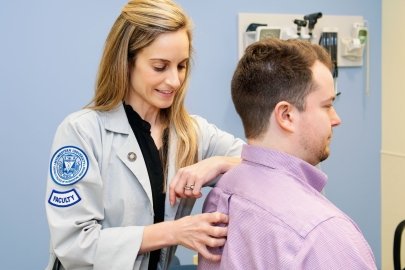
point(188, 187)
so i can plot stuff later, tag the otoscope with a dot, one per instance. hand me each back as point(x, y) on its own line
point(300, 23)
point(312, 20)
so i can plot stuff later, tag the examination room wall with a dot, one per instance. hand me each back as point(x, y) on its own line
point(393, 127)
point(49, 56)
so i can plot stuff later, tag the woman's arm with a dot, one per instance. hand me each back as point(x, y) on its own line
point(189, 180)
point(218, 151)
point(75, 204)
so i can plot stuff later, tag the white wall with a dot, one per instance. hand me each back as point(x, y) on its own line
point(393, 127)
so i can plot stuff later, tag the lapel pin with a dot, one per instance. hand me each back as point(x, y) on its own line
point(131, 156)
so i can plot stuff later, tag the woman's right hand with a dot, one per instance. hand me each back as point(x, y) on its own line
point(201, 231)
point(196, 232)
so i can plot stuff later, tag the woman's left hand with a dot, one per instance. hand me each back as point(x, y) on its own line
point(189, 180)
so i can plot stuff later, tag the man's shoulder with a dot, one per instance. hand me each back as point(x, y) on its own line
point(278, 195)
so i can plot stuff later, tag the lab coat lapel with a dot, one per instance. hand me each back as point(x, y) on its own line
point(130, 152)
point(131, 155)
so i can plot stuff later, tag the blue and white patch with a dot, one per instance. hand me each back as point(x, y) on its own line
point(64, 198)
point(68, 165)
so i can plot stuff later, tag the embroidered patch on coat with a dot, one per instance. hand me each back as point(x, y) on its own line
point(64, 198)
point(68, 165)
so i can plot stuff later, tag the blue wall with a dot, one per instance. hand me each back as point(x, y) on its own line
point(49, 53)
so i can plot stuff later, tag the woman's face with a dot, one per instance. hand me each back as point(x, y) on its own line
point(158, 72)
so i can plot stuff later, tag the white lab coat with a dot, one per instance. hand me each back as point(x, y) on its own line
point(103, 230)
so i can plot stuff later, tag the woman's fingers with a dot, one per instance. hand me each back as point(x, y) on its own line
point(186, 183)
point(189, 180)
point(209, 255)
point(203, 232)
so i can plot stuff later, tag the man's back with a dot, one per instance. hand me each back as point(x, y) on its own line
point(278, 219)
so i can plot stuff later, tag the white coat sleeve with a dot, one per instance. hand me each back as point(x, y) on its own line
point(75, 205)
point(216, 142)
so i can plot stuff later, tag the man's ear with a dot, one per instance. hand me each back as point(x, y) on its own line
point(284, 115)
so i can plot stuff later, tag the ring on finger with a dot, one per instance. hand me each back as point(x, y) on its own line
point(186, 187)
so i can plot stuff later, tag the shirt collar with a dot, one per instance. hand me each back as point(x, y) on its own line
point(116, 120)
point(282, 161)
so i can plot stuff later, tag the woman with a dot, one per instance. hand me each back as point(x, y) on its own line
point(114, 162)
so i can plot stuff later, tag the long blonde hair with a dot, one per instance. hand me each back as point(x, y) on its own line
point(138, 25)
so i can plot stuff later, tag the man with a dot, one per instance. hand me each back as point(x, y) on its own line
point(278, 218)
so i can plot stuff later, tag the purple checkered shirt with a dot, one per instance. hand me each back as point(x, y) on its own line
point(278, 219)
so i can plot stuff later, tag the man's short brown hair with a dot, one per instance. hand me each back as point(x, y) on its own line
point(273, 70)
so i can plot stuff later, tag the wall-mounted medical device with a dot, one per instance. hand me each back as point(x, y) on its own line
point(353, 46)
point(329, 40)
point(267, 32)
point(300, 24)
point(258, 31)
point(344, 37)
point(312, 20)
point(351, 31)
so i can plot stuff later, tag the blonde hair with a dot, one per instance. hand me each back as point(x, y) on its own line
point(138, 25)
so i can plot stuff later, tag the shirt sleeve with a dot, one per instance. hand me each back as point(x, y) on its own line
point(335, 244)
point(75, 206)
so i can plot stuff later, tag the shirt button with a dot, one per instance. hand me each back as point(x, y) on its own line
point(131, 156)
